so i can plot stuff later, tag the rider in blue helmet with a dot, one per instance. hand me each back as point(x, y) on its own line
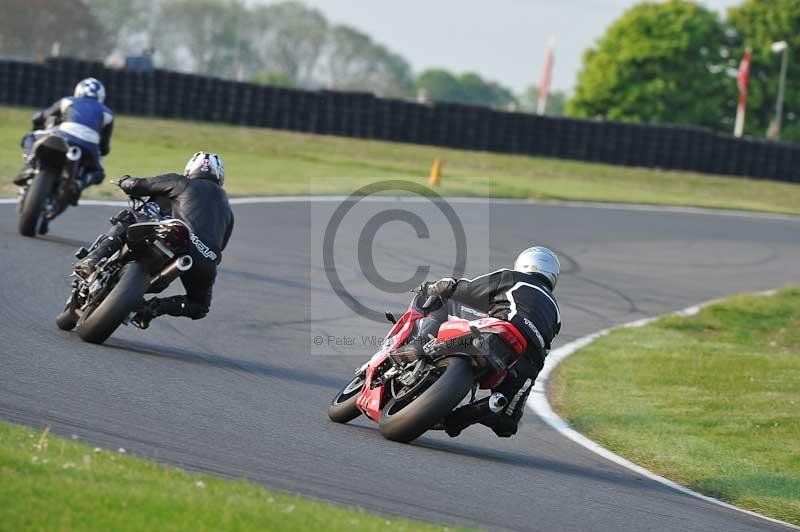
point(84, 121)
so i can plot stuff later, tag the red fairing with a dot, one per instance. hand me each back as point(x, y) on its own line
point(371, 399)
point(459, 328)
point(455, 328)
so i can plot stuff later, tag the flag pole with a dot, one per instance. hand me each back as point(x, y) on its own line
point(547, 75)
point(741, 81)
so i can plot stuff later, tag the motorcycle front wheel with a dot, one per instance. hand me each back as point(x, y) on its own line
point(343, 408)
point(407, 417)
point(68, 318)
point(98, 324)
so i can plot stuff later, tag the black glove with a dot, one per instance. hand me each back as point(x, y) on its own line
point(442, 287)
point(421, 289)
point(37, 121)
point(126, 183)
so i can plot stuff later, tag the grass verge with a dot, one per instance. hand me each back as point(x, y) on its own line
point(264, 161)
point(711, 401)
point(50, 483)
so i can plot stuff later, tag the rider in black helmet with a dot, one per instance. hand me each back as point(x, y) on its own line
point(196, 198)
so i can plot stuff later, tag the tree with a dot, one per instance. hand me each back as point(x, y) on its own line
point(529, 101)
point(759, 23)
point(30, 28)
point(277, 79)
point(354, 62)
point(441, 85)
point(659, 62)
point(288, 37)
point(200, 36)
point(475, 89)
point(128, 23)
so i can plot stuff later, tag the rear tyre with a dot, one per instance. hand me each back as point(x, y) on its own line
point(128, 294)
point(404, 421)
point(343, 407)
point(33, 204)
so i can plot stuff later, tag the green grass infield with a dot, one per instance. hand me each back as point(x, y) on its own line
point(711, 401)
point(52, 483)
point(269, 162)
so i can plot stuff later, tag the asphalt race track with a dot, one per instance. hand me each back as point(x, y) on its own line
point(244, 392)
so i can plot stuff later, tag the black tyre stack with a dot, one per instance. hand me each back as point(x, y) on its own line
point(168, 94)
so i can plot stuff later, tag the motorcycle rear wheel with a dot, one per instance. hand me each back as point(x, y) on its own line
point(404, 421)
point(33, 203)
point(343, 408)
point(96, 326)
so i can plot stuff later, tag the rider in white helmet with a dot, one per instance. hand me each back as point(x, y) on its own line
point(522, 296)
point(196, 198)
point(84, 121)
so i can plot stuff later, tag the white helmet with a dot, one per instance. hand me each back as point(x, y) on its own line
point(539, 260)
point(90, 88)
point(206, 165)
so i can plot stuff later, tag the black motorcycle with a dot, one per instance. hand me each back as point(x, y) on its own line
point(53, 185)
point(156, 252)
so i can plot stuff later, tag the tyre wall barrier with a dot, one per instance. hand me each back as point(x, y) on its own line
point(166, 94)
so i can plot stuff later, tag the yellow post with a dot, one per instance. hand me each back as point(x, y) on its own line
point(436, 173)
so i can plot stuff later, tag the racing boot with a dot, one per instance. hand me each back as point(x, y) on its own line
point(179, 306)
point(149, 311)
point(104, 249)
point(94, 177)
point(505, 422)
point(44, 226)
point(25, 174)
point(477, 412)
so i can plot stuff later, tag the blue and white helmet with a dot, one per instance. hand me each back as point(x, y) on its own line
point(90, 88)
point(205, 165)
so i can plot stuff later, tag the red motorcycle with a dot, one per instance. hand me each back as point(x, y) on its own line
point(409, 388)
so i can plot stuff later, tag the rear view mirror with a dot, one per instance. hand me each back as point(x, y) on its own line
point(390, 317)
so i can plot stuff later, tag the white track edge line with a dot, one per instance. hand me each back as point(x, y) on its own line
point(540, 404)
point(254, 200)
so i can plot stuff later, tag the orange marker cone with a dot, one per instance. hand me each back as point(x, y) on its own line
point(436, 173)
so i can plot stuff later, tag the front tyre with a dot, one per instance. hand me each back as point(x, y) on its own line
point(68, 318)
point(34, 202)
point(343, 408)
point(404, 420)
point(97, 325)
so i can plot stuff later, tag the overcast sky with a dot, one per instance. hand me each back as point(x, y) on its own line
point(504, 40)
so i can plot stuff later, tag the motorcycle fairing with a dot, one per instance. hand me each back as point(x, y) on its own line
point(458, 327)
point(370, 401)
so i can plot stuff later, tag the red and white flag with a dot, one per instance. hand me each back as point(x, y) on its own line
point(547, 76)
point(741, 81)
